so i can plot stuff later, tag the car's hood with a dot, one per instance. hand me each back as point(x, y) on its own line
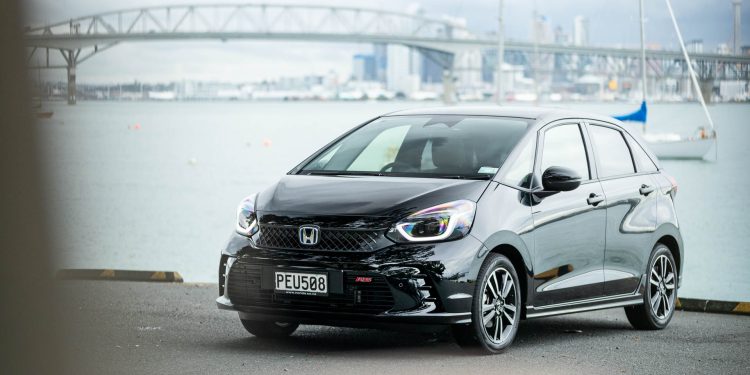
point(363, 195)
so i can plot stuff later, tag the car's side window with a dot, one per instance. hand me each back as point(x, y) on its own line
point(642, 160)
point(519, 173)
point(563, 147)
point(612, 153)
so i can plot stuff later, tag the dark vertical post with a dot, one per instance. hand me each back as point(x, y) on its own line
point(71, 77)
point(500, 54)
point(30, 342)
point(707, 88)
point(449, 85)
point(447, 61)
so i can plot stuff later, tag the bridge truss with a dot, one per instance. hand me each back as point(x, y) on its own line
point(67, 44)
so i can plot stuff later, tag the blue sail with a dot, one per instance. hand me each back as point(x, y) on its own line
point(637, 116)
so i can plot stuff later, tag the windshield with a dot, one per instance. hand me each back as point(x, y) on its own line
point(423, 146)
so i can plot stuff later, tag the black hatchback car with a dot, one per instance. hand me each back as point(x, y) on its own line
point(470, 218)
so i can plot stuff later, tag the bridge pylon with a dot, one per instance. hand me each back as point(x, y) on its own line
point(71, 81)
point(71, 62)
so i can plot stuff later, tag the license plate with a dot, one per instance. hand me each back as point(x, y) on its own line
point(312, 284)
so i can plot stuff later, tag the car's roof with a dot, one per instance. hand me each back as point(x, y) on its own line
point(523, 112)
point(527, 112)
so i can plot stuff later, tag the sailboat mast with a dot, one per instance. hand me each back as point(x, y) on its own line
point(689, 64)
point(643, 53)
point(500, 53)
point(535, 32)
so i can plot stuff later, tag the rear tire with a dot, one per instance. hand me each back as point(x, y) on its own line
point(661, 292)
point(269, 330)
point(496, 307)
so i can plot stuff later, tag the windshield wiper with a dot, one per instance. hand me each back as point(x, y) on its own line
point(341, 173)
point(465, 177)
point(395, 174)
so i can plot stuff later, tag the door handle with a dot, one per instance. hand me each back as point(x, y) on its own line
point(646, 190)
point(594, 199)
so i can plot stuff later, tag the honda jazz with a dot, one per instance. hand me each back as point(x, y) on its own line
point(468, 219)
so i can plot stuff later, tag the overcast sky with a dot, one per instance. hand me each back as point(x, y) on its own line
point(612, 23)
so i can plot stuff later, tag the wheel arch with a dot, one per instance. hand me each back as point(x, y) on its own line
point(516, 259)
point(671, 243)
point(669, 235)
point(514, 248)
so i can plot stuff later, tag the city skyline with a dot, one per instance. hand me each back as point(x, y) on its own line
point(242, 61)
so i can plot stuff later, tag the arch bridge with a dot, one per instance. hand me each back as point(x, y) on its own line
point(440, 39)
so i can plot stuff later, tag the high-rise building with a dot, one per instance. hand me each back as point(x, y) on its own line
point(358, 67)
point(432, 70)
point(489, 65)
point(561, 37)
point(541, 30)
point(694, 46)
point(580, 31)
point(468, 71)
point(380, 54)
point(402, 69)
point(737, 34)
point(363, 67)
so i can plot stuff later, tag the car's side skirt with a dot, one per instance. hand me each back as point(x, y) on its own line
point(584, 305)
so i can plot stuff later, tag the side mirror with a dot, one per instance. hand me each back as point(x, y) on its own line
point(556, 179)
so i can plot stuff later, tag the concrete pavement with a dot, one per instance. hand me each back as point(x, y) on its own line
point(138, 328)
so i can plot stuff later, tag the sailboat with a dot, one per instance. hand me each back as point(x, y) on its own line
point(673, 145)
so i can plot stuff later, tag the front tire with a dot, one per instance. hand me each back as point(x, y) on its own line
point(661, 292)
point(496, 307)
point(269, 330)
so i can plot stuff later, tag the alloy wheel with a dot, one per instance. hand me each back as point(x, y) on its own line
point(662, 287)
point(499, 306)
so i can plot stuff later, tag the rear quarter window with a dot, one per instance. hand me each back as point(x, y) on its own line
point(642, 160)
point(612, 153)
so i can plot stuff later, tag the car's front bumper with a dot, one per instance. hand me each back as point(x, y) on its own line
point(430, 284)
point(427, 316)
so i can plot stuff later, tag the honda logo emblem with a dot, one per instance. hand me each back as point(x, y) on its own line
point(309, 235)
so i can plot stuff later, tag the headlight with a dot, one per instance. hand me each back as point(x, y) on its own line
point(247, 223)
point(448, 221)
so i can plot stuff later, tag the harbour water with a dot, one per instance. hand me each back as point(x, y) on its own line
point(154, 185)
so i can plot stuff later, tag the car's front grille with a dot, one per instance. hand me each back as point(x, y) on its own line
point(331, 239)
point(244, 289)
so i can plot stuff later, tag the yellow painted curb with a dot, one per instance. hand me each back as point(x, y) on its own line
point(119, 275)
point(107, 274)
point(712, 306)
point(742, 308)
